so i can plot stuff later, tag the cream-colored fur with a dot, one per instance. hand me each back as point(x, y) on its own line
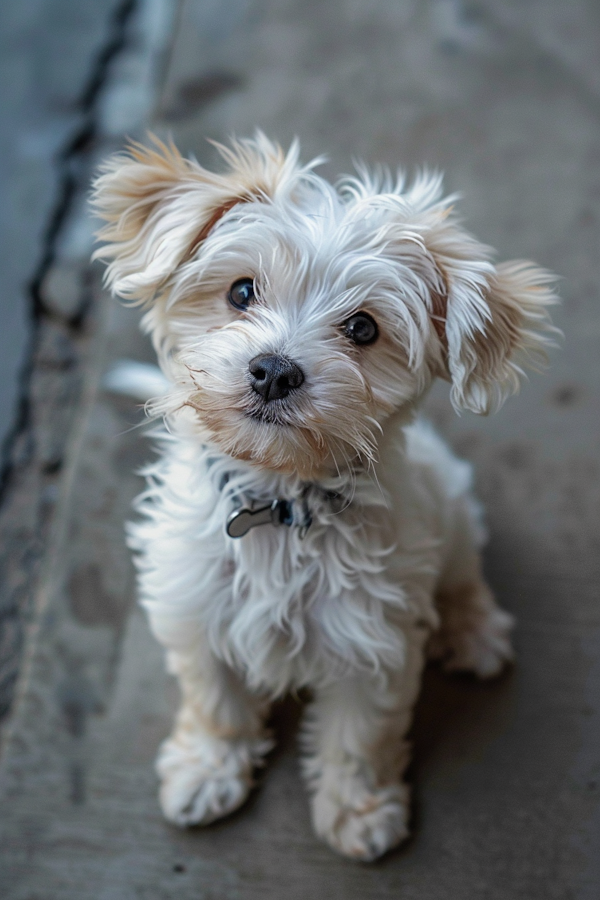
point(389, 569)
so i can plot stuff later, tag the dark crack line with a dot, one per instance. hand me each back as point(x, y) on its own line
point(74, 153)
point(70, 162)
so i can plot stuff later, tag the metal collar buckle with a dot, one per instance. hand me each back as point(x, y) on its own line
point(279, 512)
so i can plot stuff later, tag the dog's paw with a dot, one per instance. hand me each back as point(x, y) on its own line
point(482, 645)
point(204, 778)
point(361, 823)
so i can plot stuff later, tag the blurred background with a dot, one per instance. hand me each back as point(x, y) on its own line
point(504, 97)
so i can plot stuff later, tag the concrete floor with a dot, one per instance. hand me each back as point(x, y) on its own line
point(505, 97)
point(47, 52)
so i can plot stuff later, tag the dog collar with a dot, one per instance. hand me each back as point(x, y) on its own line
point(277, 512)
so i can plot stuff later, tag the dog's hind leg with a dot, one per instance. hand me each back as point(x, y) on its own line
point(354, 740)
point(474, 635)
point(206, 765)
point(474, 632)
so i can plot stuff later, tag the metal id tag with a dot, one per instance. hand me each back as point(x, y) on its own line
point(242, 520)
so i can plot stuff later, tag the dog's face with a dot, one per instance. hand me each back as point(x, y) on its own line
point(296, 318)
point(297, 333)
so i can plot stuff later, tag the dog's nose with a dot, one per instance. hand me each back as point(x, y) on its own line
point(274, 377)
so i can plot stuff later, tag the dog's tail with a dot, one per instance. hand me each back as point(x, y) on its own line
point(141, 381)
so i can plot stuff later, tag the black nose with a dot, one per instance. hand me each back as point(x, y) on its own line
point(274, 377)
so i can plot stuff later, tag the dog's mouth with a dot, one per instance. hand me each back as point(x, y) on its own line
point(264, 417)
point(276, 412)
point(267, 417)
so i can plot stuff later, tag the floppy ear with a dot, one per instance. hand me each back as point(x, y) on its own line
point(491, 320)
point(159, 207)
point(481, 323)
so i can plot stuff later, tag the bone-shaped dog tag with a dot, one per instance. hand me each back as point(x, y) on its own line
point(241, 521)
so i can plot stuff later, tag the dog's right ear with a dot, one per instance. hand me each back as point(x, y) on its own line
point(159, 206)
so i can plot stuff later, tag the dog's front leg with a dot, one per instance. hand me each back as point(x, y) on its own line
point(206, 765)
point(355, 741)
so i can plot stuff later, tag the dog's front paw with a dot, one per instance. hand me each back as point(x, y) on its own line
point(204, 778)
point(360, 822)
point(481, 645)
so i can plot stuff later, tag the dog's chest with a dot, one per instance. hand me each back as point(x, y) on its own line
point(298, 605)
point(282, 608)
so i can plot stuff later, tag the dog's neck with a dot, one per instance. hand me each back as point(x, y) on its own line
point(256, 496)
point(265, 496)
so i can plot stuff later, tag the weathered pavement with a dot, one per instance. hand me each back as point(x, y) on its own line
point(505, 97)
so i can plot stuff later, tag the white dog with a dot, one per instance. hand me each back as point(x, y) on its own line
point(301, 529)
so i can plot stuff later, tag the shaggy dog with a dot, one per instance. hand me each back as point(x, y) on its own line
point(302, 527)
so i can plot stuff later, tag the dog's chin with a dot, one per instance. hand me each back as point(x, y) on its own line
point(273, 437)
point(286, 448)
point(267, 442)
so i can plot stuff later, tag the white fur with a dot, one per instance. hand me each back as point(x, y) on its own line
point(389, 569)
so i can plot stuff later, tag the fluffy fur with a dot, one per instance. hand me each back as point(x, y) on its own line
point(390, 565)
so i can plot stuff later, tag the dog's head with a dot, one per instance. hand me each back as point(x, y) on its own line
point(296, 318)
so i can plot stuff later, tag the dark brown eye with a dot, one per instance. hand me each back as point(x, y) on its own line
point(361, 328)
point(241, 293)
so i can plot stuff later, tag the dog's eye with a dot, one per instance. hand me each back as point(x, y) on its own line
point(241, 293)
point(361, 328)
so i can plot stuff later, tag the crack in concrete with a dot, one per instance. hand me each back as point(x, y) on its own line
point(70, 162)
point(50, 345)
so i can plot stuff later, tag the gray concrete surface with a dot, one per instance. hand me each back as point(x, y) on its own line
point(505, 97)
point(108, 84)
point(48, 51)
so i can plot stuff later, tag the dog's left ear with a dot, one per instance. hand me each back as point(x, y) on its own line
point(159, 206)
point(484, 322)
point(491, 320)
